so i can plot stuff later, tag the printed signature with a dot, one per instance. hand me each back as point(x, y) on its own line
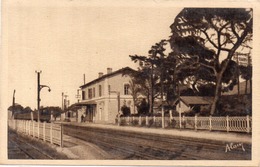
point(233, 146)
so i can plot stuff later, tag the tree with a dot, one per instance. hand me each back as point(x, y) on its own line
point(135, 90)
point(210, 37)
point(17, 108)
point(143, 107)
point(27, 110)
point(152, 72)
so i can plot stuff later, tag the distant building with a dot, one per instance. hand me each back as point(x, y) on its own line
point(103, 97)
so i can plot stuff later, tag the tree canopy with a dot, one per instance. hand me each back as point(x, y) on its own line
point(206, 39)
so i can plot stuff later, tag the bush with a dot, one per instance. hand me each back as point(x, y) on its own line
point(125, 110)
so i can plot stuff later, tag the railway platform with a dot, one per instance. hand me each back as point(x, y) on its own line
point(199, 134)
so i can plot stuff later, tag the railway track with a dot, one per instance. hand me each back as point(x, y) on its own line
point(135, 145)
point(24, 147)
point(27, 149)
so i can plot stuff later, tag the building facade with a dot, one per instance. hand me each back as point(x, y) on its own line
point(103, 97)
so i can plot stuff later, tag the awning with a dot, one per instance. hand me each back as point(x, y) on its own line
point(84, 103)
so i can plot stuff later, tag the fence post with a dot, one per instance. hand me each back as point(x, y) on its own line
point(44, 132)
point(195, 121)
point(154, 120)
point(140, 120)
point(24, 125)
point(210, 123)
point(128, 120)
point(227, 123)
point(163, 121)
point(119, 121)
point(38, 130)
point(61, 135)
point(248, 124)
point(170, 117)
point(29, 125)
point(184, 121)
point(33, 128)
point(51, 133)
point(146, 121)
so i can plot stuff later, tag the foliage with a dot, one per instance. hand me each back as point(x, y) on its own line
point(17, 108)
point(125, 110)
point(156, 73)
point(206, 39)
point(27, 110)
point(143, 108)
point(56, 111)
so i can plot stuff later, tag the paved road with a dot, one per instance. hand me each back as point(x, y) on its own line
point(136, 145)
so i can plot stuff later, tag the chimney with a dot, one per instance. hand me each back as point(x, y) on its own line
point(84, 79)
point(109, 70)
point(100, 74)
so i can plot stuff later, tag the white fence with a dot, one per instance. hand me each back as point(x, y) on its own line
point(48, 132)
point(229, 124)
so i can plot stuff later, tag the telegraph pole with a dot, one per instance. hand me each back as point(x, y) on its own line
point(39, 87)
point(62, 94)
point(13, 104)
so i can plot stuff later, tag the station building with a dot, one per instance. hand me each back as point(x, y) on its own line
point(103, 97)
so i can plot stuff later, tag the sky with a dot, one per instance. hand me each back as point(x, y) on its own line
point(67, 40)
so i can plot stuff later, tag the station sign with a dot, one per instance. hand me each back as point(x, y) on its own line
point(242, 58)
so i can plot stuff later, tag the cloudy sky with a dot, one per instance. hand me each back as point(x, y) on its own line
point(66, 39)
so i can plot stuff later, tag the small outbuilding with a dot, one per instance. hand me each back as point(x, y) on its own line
point(186, 104)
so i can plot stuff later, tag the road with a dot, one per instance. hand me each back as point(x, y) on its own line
point(143, 146)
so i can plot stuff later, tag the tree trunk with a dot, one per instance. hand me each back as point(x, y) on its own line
point(246, 88)
point(217, 92)
point(250, 81)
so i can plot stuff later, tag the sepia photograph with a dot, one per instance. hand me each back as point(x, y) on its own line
point(96, 83)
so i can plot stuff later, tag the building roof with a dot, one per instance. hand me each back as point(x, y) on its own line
point(84, 103)
point(122, 70)
point(195, 100)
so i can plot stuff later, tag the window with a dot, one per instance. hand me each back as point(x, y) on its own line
point(83, 95)
point(90, 93)
point(94, 92)
point(99, 90)
point(126, 89)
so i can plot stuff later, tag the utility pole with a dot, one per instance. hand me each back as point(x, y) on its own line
point(13, 104)
point(39, 87)
point(62, 94)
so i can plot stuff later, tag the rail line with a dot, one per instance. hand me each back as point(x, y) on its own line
point(29, 150)
point(140, 146)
